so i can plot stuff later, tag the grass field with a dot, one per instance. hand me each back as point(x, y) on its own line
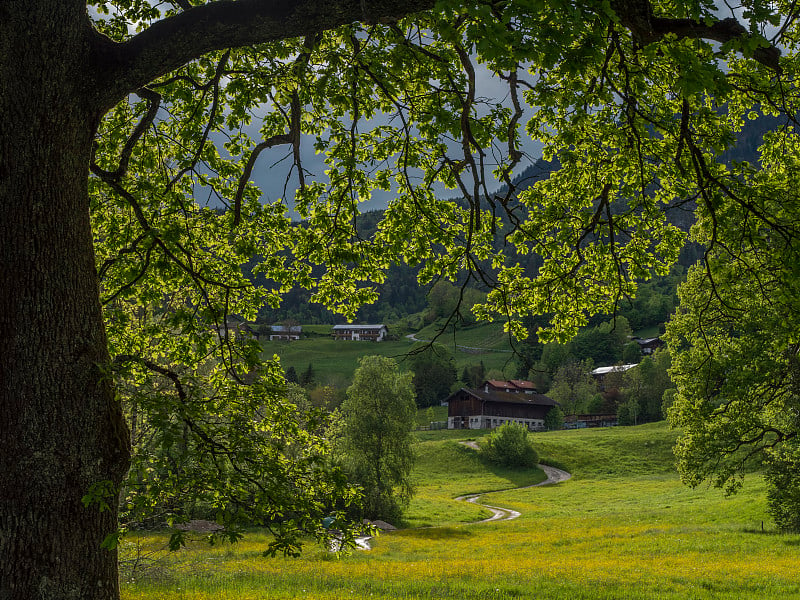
point(335, 361)
point(623, 528)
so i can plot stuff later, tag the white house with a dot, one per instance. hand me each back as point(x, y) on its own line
point(372, 333)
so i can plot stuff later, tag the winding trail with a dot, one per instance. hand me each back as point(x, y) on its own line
point(506, 514)
point(499, 513)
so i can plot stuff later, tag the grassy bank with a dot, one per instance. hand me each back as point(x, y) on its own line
point(623, 528)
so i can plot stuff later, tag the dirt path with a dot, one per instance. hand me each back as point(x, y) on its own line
point(506, 514)
point(499, 513)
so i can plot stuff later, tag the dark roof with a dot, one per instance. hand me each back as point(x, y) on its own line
point(523, 384)
point(510, 397)
point(518, 384)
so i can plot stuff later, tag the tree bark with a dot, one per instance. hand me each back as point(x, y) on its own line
point(62, 432)
point(61, 429)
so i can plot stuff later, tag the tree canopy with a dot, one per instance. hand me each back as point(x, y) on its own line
point(376, 440)
point(434, 373)
point(130, 218)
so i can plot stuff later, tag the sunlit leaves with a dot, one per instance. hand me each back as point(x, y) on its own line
point(637, 128)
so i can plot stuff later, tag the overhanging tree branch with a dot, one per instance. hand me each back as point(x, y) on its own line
point(172, 42)
point(637, 16)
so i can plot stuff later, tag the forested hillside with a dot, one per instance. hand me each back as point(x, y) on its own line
point(401, 295)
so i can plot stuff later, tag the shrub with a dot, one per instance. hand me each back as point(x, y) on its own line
point(783, 492)
point(510, 446)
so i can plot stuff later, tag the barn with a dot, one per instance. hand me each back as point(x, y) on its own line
point(487, 409)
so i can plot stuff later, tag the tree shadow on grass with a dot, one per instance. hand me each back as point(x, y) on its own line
point(794, 542)
point(436, 533)
point(793, 538)
point(516, 477)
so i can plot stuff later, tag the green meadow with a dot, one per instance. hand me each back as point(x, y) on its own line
point(334, 361)
point(623, 527)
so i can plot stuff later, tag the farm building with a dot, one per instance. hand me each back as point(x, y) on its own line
point(489, 408)
point(372, 333)
point(285, 332)
point(648, 345)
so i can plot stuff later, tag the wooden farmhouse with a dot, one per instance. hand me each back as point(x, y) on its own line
point(371, 333)
point(498, 402)
point(648, 345)
point(285, 332)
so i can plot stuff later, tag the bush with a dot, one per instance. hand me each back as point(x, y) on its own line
point(783, 492)
point(510, 446)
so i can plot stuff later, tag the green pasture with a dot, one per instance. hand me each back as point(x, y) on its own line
point(623, 527)
point(482, 335)
point(335, 361)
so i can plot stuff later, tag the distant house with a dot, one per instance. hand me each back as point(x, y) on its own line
point(372, 333)
point(285, 332)
point(489, 408)
point(648, 345)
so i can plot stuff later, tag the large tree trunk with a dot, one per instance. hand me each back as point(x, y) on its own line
point(61, 428)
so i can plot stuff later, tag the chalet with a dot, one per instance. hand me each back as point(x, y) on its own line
point(372, 333)
point(285, 332)
point(648, 345)
point(487, 409)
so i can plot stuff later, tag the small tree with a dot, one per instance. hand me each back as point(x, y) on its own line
point(465, 378)
point(554, 419)
point(631, 353)
point(667, 400)
point(783, 493)
point(307, 378)
point(644, 386)
point(474, 375)
point(573, 388)
point(629, 412)
point(510, 446)
point(434, 374)
point(376, 441)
